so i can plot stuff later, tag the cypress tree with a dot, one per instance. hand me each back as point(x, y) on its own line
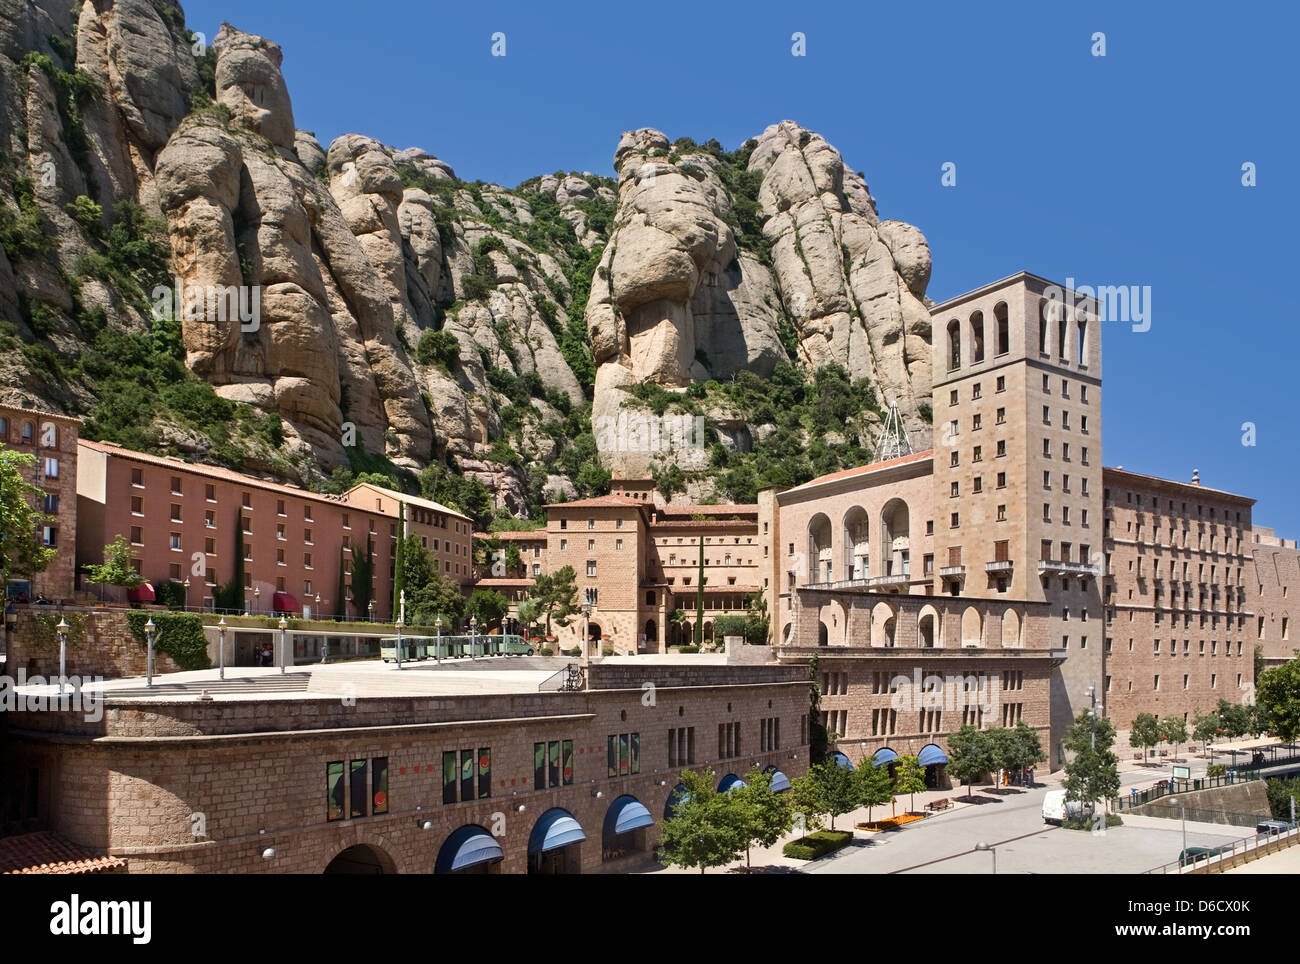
point(699, 600)
point(342, 611)
point(399, 563)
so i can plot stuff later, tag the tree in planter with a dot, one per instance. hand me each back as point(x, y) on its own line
point(972, 755)
point(909, 778)
point(1173, 729)
point(1144, 732)
point(1279, 694)
point(757, 623)
point(530, 610)
point(728, 625)
point(21, 549)
point(1206, 728)
point(705, 830)
point(874, 784)
point(116, 569)
point(764, 816)
point(1012, 752)
point(1093, 774)
point(557, 593)
point(837, 788)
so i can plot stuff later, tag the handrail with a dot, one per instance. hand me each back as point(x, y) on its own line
point(1243, 846)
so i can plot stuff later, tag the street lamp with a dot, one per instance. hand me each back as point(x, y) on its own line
point(371, 609)
point(1092, 712)
point(148, 632)
point(586, 628)
point(284, 626)
point(186, 584)
point(399, 624)
point(473, 636)
point(221, 647)
point(992, 850)
point(437, 649)
point(63, 651)
point(1183, 809)
point(257, 598)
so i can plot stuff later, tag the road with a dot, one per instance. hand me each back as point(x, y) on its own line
point(1013, 823)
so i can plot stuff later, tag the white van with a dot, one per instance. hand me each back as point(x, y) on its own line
point(1055, 807)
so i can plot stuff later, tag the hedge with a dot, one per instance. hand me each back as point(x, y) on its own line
point(688, 649)
point(817, 844)
point(178, 635)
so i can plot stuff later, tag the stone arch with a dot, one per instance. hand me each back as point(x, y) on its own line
point(820, 568)
point(651, 633)
point(927, 628)
point(895, 533)
point(977, 336)
point(361, 859)
point(835, 617)
point(823, 636)
point(972, 627)
point(785, 634)
point(1044, 324)
point(1011, 629)
point(884, 625)
point(856, 530)
point(954, 345)
point(1002, 322)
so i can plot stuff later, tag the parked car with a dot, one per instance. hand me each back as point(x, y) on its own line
point(1194, 854)
point(1056, 808)
point(1272, 827)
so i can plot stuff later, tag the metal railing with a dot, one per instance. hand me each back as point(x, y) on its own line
point(1228, 854)
point(1138, 798)
point(569, 679)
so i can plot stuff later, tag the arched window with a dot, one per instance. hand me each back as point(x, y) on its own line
point(1082, 332)
point(954, 345)
point(28, 431)
point(1061, 327)
point(1042, 327)
point(1004, 328)
point(977, 336)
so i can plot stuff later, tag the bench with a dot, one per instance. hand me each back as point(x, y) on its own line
point(943, 803)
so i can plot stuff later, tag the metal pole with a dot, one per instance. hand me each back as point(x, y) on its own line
point(284, 655)
point(399, 624)
point(437, 649)
point(63, 651)
point(148, 632)
point(221, 647)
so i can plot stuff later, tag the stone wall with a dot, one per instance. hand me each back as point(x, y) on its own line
point(100, 643)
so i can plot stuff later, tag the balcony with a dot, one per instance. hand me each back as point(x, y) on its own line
point(1000, 565)
point(952, 572)
point(1053, 567)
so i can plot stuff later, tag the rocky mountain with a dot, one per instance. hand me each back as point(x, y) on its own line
point(192, 273)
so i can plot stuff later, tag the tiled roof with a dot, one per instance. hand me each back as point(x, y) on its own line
point(1190, 488)
point(45, 852)
point(212, 472)
point(866, 469)
point(514, 535)
point(603, 502)
point(38, 413)
point(679, 509)
point(505, 582)
point(409, 499)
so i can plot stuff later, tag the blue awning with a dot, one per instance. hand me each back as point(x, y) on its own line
point(467, 847)
point(883, 755)
point(626, 813)
point(730, 782)
point(554, 829)
point(679, 795)
point(931, 754)
point(780, 782)
point(840, 759)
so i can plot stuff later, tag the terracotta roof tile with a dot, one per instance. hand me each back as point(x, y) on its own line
point(45, 852)
point(866, 469)
point(602, 502)
point(680, 509)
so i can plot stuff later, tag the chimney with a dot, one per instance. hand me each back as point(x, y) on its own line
point(1196, 476)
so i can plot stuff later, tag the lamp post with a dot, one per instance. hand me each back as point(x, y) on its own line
point(257, 598)
point(437, 649)
point(1092, 712)
point(586, 628)
point(284, 626)
point(221, 647)
point(473, 636)
point(248, 605)
point(399, 624)
point(371, 609)
point(63, 651)
point(992, 850)
point(316, 612)
point(148, 633)
point(1183, 809)
point(186, 606)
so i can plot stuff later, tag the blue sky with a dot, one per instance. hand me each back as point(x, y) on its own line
point(1122, 169)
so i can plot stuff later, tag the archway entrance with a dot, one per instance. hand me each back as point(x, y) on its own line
point(361, 859)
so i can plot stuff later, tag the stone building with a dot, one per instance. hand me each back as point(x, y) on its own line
point(53, 440)
point(1276, 584)
point(447, 535)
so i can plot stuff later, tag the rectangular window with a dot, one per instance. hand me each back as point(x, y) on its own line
point(484, 772)
point(334, 790)
point(379, 785)
point(357, 787)
point(449, 777)
point(467, 768)
point(137, 477)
